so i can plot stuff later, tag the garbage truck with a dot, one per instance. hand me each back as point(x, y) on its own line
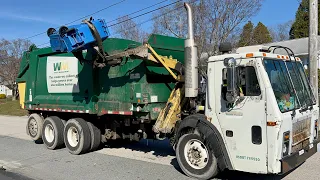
point(255, 111)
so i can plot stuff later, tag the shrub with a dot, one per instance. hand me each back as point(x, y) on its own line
point(2, 96)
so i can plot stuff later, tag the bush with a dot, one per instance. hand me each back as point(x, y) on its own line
point(2, 96)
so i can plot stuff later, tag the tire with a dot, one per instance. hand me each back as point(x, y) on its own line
point(77, 136)
point(95, 136)
point(34, 127)
point(64, 122)
point(52, 135)
point(207, 166)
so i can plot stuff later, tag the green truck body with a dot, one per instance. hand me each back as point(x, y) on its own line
point(60, 82)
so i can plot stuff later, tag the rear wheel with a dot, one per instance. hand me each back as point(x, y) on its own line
point(77, 136)
point(95, 136)
point(34, 127)
point(195, 158)
point(53, 132)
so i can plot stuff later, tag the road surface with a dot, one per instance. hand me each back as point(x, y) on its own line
point(144, 160)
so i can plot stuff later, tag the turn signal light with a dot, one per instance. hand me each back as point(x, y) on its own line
point(286, 137)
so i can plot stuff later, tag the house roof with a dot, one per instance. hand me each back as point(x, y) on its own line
point(298, 46)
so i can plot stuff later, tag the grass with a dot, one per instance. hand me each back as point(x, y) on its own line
point(12, 108)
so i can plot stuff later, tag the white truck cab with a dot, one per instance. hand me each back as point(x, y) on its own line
point(258, 113)
point(263, 106)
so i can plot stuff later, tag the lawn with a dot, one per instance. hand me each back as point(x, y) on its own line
point(12, 108)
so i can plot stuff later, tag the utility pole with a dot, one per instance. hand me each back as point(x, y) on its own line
point(313, 46)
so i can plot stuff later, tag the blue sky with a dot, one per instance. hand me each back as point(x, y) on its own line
point(22, 19)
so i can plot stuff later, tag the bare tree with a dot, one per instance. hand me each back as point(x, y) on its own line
point(10, 57)
point(128, 29)
point(215, 21)
point(281, 31)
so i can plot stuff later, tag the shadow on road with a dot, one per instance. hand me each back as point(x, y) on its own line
point(157, 148)
point(237, 175)
point(6, 175)
point(163, 149)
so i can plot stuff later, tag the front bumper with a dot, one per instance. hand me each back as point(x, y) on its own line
point(292, 161)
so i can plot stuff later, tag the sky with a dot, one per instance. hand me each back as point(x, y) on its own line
point(22, 19)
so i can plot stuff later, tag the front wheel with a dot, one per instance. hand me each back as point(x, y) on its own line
point(195, 158)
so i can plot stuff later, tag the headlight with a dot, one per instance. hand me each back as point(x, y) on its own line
point(284, 149)
point(286, 142)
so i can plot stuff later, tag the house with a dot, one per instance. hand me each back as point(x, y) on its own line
point(5, 90)
point(299, 47)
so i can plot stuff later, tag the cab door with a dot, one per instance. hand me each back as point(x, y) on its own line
point(243, 123)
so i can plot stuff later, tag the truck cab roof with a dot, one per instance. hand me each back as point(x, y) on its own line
point(253, 52)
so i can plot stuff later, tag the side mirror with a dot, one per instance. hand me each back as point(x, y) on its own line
point(232, 79)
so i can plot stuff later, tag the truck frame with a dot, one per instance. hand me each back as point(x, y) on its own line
point(257, 113)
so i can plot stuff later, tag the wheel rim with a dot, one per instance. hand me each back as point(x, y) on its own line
point(73, 136)
point(33, 127)
point(49, 133)
point(196, 154)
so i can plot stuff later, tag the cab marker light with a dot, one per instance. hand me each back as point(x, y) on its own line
point(249, 55)
point(271, 123)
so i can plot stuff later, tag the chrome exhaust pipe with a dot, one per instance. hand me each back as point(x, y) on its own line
point(191, 59)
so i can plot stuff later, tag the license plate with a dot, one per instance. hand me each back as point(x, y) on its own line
point(301, 152)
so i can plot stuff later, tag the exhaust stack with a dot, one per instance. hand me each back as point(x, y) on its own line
point(191, 59)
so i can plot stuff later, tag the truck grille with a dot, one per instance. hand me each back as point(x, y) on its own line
point(301, 134)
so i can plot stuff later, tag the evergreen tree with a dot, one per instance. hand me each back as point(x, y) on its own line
point(300, 27)
point(246, 35)
point(261, 34)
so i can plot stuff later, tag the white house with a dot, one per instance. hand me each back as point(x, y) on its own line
point(5, 90)
point(298, 46)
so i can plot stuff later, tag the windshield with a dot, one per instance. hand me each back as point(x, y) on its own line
point(300, 83)
point(289, 95)
point(280, 82)
point(306, 83)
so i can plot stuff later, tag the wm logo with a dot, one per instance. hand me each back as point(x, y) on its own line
point(60, 66)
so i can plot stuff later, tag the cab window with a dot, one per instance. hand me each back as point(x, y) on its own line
point(247, 81)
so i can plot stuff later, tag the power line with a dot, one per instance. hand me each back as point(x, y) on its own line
point(96, 12)
point(116, 18)
point(42, 44)
point(145, 13)
point(137, 11)
point(80, 18)
point(139, 14)
point(100, 11)
point(156, 17)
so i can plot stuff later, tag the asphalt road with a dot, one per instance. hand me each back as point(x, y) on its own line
point(25, 160)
